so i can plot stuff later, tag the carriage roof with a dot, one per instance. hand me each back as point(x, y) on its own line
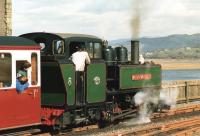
point(16, 41)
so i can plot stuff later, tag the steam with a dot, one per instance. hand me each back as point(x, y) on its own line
point(150, 100)
point(168, 96)
point(146, 100)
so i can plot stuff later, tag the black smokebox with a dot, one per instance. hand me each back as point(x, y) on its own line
point(135, 51)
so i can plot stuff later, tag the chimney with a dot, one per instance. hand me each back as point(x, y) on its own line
point(135, 51)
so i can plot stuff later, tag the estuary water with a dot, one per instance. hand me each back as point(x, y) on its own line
point(191, 74)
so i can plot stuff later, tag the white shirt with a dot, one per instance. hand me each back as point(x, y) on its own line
point(141, 59)
point(79, 59)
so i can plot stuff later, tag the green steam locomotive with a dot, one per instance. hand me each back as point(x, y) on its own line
point(110, 81)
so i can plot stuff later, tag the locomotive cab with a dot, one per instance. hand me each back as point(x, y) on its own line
point(59, 83)
point(56, 52)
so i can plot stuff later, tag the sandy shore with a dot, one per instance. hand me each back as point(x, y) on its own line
point(168, 64)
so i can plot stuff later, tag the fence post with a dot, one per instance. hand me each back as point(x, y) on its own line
point(187, 91)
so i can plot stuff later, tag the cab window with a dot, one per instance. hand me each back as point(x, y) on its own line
point(5, 70)
point(74, 45)
point(42, 45)
point(94, 50)
point(97, 50)
point(58, 47)
point(42, 42)
point(90, 50)
point(34, 72)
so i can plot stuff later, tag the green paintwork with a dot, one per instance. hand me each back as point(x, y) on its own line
point(96, 93)
point(52, 84)
point(16, 41)
point(68, 72)
point(126, 73)
point(52, 99)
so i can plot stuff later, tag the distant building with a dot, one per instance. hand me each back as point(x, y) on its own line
point(188, 48)
point(149, 53)
point(5, 17)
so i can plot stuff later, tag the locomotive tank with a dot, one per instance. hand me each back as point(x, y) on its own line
point(121, 54)
point(127, 75)
point(108, 55)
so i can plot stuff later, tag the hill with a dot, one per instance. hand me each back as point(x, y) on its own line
point(175, 41)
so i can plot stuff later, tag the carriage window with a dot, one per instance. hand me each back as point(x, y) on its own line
point(5, 70)
point(34, 72)
point(58, 47)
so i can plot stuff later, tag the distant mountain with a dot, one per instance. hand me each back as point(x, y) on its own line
point(167, 42)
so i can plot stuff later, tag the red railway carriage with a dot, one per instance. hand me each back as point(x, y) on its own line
point(19, 109)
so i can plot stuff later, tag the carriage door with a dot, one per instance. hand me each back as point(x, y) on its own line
point(28, 101)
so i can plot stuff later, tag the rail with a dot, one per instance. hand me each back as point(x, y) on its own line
point(186, 126)
point(183, 110)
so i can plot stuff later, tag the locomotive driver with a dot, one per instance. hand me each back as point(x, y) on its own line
point(80, 58)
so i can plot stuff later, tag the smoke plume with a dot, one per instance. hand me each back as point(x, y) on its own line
point(135, 22)
point(140, 13)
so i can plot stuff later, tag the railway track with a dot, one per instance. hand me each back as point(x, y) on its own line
point(187, 125)
point(180, 121)
point(175, 128)
point(179, 127)
point(177, 111)
point(22, 133)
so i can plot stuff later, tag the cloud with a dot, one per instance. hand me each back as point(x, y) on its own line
point(71, 16)
point(172, 17)
point(105, 6)
point(109, 19)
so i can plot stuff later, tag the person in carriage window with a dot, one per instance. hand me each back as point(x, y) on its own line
point(22, 79)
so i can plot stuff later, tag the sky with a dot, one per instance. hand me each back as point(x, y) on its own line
point(108, 19)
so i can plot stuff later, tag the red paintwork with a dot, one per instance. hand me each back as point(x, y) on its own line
point(19, 109)
point(141, 77)
point(2, 47)
point(49, 115)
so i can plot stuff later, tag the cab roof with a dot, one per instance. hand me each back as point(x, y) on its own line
point(65, 36)
point(16, 41)
point(68, 35)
